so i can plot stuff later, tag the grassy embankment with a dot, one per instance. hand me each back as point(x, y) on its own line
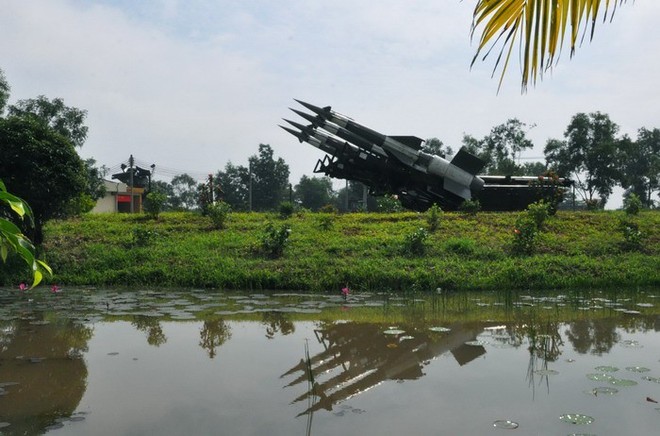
point(365, 251)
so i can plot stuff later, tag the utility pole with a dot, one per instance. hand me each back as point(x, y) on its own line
point(250, 189)
point(130, 164)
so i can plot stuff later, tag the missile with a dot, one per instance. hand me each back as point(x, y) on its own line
point(459, 177)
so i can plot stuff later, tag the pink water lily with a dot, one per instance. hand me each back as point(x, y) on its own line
point(55, 289)
point(22, 287)
point(345, 291)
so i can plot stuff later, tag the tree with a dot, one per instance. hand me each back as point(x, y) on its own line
point(314, 192)
point(235, 183)
point(501, 147)
point(539, 25)
point(270, 179)
point(184, 193)
point(4, 91)
point(640, 165)
point(588, 156)
point(40, 166)
point(436, 147)
point(65, 120)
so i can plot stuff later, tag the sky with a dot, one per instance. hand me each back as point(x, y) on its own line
point(190, 85)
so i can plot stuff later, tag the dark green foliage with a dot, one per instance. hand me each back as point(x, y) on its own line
point(285, 209)
point(154, 204)
point(274, 240)
point(40, 166)
point(525, 233)
point(633, 237)
point(538, 212)
point(433, 216)
point(314, 192)
point(219, 214)
point(460, 246)
point(415, 243)
point(270, 179)
point(389, 204)
point(632, 204)
point(326, 221)
point(142, 237)
point(470, 207)
point(437, 147)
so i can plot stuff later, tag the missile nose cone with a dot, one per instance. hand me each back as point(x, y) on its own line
point(298, 125)
point(324, 112)
point(311, 118)
point(295, 133)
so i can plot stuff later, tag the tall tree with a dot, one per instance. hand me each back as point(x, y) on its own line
point(437, 147)
point(314, 192)
point(270, 179)
point(588, 156)
point(501, 147)
point(4, 91)
point(539, 27)
point(640, 164)
point(184, 192)
point(235, 184)
point(67, 121)
point(40, 166)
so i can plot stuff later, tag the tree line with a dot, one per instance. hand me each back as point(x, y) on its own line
point(39, 138)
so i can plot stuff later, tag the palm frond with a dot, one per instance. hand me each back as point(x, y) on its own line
point(539, 27)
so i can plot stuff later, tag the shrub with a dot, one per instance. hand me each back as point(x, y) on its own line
point(433, 216)
point(415, 242)
point(524, 236)
point(632, 204)
point(389, 204)
point(286, 209)
point(154, 204)
point(328, 208)
point(274, 240)
point(470, 207)
point(143, 237)
point(218, 213)
point(326, 222)
point(538, 212)
point(633, 238)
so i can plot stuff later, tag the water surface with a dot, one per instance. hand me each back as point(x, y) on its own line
point(145, 362)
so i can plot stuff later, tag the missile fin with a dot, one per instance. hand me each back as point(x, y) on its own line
point(300, 135)
point(457, 188)
point(468, 162)
point(411, 141)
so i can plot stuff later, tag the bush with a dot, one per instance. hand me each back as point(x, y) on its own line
point(433, 216)
point(415, 242)
point(143, 237)
point(326, 222)
point(286, 209)
point(273, 240)
point(461, 246)
point(388, 204)
point(632, 204)
point(328, 208)
point(538, 212)
point(154, 204)
point(633, 238)
point(218, 213)
point(470, 207)
point(524, 236)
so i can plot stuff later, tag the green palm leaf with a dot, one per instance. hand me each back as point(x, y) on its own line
point(538, 26)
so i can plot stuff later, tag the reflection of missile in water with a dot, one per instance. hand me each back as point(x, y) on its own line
point(459, 175)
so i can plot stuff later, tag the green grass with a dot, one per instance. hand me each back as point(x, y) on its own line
point(365, 251)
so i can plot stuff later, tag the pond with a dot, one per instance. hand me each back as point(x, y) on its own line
point(166, 362)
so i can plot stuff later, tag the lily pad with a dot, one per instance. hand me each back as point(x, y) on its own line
point(637, 369)
point(4, 424)
point(623, 382)
point(476, 343)
point(576, 418)
point(439, 329)
point(603, 390)
point(629, 343)
point(606, 369)
point(392, 331)
point(543, 372)
point(651, 379)
point(505, 424)
point(600, 377)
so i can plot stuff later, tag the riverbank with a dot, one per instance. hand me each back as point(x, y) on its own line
point(326, 252)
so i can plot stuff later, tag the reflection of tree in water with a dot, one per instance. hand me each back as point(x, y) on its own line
point(596, 336)
point(150, 325)
point(44, 359)
point(213, 334)
point(277, 322)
